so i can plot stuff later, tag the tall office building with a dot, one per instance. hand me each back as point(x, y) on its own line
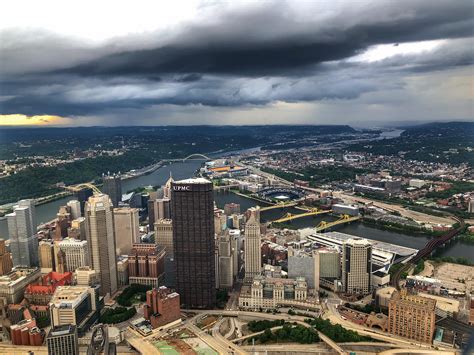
point(226, 246)
point(253, 254)
point(46, 255)
point(167, 187)
point(101, 239)
point(6, 263)
point(327, 266)
point(412, 316)
point(62, 340)
point(192, 209)
point(164, 238)
point(127, 229)
point(357, 266)
point(164, 235)
point(22, 231)
point(76, 253)
point(82, 196)
point(75, 208)
point(113, 188)
point(63, 222)
point(158, 208)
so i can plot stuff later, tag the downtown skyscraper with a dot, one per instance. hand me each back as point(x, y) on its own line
point(100, 236)
point(192, 210)
point(113, 188)
point(253, 254)
point(22, 231)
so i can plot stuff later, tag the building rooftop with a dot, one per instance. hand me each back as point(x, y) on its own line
point(339, 238)
point(193, 181)
point(69, 294)
point(62, 330)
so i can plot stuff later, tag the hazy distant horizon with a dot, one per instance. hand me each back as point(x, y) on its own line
point(387, 125)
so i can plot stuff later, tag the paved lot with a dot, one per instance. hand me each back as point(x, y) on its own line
point(451, 276)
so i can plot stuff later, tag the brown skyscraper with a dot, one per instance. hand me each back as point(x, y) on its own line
point(412, 316)
point(193, 240)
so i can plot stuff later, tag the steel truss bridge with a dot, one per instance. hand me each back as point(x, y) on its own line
point(342, 220)
point(79, 187)
point(429, 248)
point(289, 217)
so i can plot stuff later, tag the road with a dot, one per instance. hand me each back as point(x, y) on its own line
point(416, 216)
point(289, 318)
point(320, 348)
point(217, 334)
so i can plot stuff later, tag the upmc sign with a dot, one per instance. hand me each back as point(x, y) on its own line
point(181, 188)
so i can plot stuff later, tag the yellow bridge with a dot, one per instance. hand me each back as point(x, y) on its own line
point(290, 217)
point(344, 219)
point(79, 187)
point(278, 205)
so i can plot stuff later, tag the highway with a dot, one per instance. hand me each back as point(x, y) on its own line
point(289, 318)
point(230, 345)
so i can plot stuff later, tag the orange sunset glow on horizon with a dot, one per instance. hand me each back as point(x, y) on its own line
point(37, 120)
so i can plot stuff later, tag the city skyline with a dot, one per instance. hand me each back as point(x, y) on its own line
point(214, 63)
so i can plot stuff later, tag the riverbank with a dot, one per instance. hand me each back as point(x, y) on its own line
point(400, 228)
point(51, 198)
point(251, 197)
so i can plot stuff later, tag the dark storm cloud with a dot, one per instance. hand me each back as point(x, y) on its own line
point(238, 45)
point(263, 54)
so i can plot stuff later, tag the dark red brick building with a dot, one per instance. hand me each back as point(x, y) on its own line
point(162, 307)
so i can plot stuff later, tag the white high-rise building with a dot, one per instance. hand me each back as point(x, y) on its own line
point(22, 232)
point(357, 266)
point(253, 256)
point(227, 248)
point(127, 229)
point(75, 206)
point(76, 253)
point(101, 239)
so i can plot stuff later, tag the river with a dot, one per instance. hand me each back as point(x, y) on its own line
point(179, 170)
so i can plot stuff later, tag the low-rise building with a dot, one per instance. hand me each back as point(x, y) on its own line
point(26, 333)
point(40, 293)
point(269, 293)
point(75, 305)
point(13, 285)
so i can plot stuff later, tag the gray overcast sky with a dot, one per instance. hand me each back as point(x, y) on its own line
point(240, 62)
